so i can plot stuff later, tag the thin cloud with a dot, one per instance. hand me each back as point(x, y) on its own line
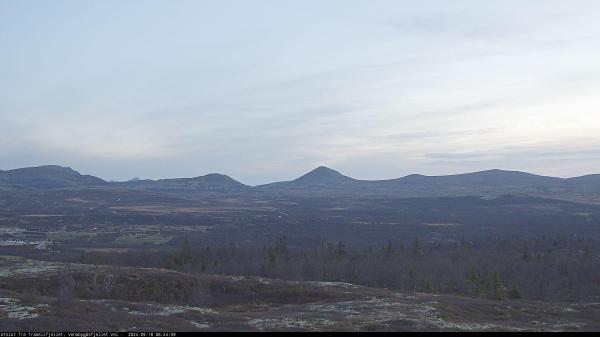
point(265, 92)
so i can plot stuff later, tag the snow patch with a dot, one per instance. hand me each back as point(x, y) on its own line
point(17, 311)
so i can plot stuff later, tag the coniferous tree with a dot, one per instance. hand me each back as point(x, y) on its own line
point(340, 249)
point(428, 287)
point(389, 248)
point(514, 293)
point(412, 283)
point(416, 248)
point(526, 252)
point(500, 290)
point(186, 255)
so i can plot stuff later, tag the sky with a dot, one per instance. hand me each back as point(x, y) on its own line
point(267, 90)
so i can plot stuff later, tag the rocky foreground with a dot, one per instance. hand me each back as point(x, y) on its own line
point(39, 295)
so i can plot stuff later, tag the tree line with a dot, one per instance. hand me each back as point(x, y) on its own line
point(559, 268)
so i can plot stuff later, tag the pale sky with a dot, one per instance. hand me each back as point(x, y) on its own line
point(267, 90)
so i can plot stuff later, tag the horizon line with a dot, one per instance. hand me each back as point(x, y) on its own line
point(307, 173)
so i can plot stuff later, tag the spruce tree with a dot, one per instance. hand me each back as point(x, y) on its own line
point(514, 293)
point(500, 290)
point(428, 287)
point(186, 254)
point(417, 248)
point(389, 248)
point(526, 252)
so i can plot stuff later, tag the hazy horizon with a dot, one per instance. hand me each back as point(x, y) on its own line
point(266, 91)
point(298, 175)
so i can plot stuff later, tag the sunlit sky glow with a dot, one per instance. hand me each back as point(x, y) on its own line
point(267, 90)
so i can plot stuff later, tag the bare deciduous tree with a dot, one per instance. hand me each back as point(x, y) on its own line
point(110, 279)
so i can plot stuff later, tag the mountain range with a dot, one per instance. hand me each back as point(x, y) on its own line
point(48, 177)
point(321, 180)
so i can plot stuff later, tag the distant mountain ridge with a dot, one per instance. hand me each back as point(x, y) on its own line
point(320, 177)
point(213, 182)
point(494, 182)
point(488, 177)
point(321, 180)
point(48, 177)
